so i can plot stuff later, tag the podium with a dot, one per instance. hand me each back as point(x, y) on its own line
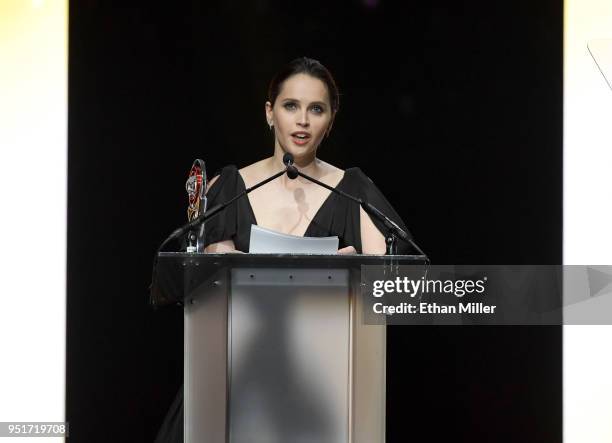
point(275, 347)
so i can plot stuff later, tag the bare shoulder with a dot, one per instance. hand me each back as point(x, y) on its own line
point(254, 173)
point(211, 182)
point(331, 173)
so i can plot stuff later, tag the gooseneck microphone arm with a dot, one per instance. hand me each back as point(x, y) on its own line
point(216, 210)
point(393, 230)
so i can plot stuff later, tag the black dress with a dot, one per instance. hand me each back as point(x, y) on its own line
point(337, 216)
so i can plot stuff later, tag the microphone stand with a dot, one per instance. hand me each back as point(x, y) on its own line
point(393, 230)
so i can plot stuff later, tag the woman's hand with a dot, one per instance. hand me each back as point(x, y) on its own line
point(349, 250)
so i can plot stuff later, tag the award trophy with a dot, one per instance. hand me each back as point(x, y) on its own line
point(196, 189)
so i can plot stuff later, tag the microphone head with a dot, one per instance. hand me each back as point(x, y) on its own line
point(292, 172)
point(288, 158)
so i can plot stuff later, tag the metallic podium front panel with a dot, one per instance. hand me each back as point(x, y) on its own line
point(205, 376)
point(289, 356)
point(276, 355)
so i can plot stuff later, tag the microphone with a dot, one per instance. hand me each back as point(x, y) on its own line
point(292, 171)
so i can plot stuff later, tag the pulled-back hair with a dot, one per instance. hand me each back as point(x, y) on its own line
point(309, 66)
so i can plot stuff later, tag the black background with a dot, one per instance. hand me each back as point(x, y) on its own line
point(454, 110)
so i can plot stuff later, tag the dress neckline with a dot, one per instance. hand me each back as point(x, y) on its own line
point(325, 202)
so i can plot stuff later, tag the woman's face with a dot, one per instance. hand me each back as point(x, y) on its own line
point(301, 115)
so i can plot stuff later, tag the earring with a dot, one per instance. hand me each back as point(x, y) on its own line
point(271, 125)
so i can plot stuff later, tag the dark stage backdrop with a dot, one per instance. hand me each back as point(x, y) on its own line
point(454, 110)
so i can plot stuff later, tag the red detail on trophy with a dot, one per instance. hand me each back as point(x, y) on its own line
point(195, 189)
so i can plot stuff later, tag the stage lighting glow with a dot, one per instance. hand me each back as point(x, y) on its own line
point(587, 216)
point(33, 133)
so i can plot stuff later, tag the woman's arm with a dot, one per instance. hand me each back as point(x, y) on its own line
point(221, 247)
point(372, 241)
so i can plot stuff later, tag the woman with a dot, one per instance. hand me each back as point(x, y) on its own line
point(303, 100)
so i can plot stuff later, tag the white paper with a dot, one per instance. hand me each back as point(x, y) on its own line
point(266, 241)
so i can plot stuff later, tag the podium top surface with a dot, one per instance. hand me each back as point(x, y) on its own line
point(336, 260)
point(169, 285)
